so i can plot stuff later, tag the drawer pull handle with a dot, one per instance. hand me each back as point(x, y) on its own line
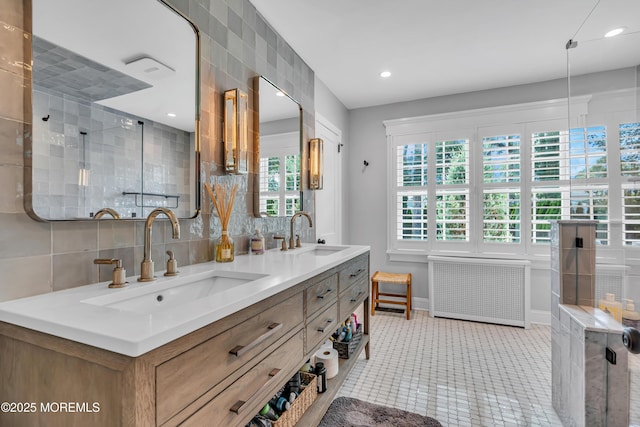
point(239, 350)
point(327, 292)
point(322, 329)
point(357, 296)
point(237, 407)
point(357, 273)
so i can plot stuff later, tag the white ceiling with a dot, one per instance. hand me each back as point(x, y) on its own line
point(442, 47)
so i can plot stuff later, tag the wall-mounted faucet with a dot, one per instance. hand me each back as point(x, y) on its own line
point(146, 267)
point(292, 242)
point(106, 211)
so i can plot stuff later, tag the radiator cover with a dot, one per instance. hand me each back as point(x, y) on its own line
point(484, 290)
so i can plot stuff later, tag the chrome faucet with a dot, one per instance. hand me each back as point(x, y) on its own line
point(292, 243)
point(105, 211)
point(146, 267)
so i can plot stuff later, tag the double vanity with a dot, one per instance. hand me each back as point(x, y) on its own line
point(206, 347)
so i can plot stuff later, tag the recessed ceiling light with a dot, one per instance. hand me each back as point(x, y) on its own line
point(385, 74)
point(171, 114)
point(614, 32)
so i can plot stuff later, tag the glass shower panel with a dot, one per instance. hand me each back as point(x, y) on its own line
point(112, 169)
point(168, 160)
point(604, 159)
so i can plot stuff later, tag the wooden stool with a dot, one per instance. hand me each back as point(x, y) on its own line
point(395, 278)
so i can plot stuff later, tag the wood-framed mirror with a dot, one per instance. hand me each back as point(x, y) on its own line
point(278, 150)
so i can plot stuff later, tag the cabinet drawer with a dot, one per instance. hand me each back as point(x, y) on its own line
point(321, 294)
point(351, 298)
point(322, 326)
point(184, 378)
point(357, 271)
point(237, 404)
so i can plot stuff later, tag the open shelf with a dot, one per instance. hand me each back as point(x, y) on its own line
point(316, 411)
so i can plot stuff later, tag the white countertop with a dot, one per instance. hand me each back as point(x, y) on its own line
point(66, 314)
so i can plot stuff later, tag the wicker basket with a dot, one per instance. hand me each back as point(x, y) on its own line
point(346, 349)
point(303, 401)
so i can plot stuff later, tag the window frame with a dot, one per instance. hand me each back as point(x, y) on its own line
point(521, 117)
point(281, 145)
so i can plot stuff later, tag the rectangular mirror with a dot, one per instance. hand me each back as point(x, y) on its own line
point(115, 100)
point(278, 149)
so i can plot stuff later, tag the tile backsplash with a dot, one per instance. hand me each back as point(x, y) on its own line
point(236, 44)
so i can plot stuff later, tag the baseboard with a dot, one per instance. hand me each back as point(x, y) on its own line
point(420, 303)
point(535, 316)
point(540, 317)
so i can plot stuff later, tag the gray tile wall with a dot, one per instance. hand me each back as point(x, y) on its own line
point(110, 151)
point(35, 257)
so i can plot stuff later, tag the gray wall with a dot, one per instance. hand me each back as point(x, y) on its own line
point(38, 257)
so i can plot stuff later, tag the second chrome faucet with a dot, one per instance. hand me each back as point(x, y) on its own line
point(146, 267)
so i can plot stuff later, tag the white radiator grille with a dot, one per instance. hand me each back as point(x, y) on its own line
point(494, 291)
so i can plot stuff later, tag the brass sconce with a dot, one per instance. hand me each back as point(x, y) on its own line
point(316, 163)
point(235, 134)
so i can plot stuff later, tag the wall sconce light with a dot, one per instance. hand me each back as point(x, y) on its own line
point(316, 163)
point(236, 129)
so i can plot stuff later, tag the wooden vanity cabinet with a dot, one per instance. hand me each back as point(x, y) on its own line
point(221, 374)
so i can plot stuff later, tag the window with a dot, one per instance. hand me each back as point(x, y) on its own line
point(280, 191)
point(411, 206)
point(447, 182)
point(270, 187)
point(587, 151)
point(500, 199)
point(492, 180)
point(549, 183)
point(629, 134)
point(452, 189)
point(630, 149)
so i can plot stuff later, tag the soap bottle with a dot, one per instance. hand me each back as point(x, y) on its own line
point(257, 243)
point(611, 306)
point(630, 317)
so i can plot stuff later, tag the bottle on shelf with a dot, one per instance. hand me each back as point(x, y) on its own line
point(257, 243)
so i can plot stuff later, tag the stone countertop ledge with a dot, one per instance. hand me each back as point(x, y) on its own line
point(592, 318)
point(70, 314)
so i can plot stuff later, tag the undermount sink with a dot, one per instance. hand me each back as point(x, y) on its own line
point(149, 299)
point(318, 250)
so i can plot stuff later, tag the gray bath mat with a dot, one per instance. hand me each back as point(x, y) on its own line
point(349, 412)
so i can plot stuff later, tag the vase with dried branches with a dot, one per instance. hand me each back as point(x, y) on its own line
point(222, 199)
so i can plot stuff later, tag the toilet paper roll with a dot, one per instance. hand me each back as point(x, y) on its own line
point(327, 344)
point(328, 356)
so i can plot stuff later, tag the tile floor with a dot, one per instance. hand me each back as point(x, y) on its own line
point(461, 373)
